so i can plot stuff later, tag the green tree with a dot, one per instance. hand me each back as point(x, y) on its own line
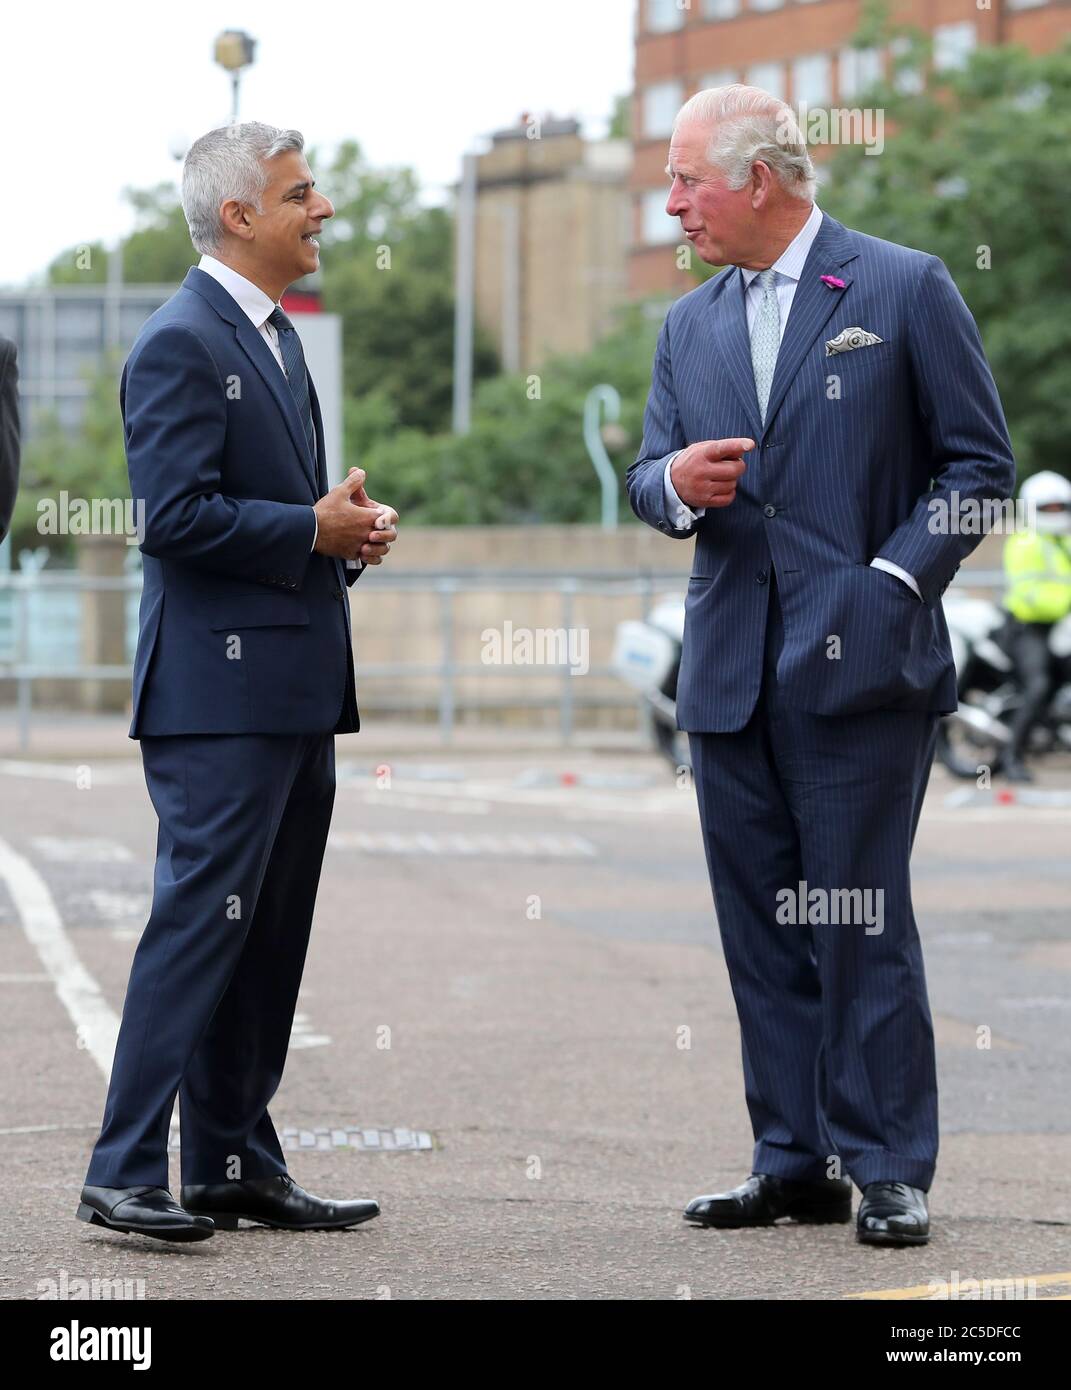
point(388, 271)
point(976, 171)
point(88, 463)
point(157, 251)
point(524, 459)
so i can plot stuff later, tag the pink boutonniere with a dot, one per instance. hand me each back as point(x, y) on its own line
point(832, 282)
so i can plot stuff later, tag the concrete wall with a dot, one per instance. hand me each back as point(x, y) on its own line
point(400, 618)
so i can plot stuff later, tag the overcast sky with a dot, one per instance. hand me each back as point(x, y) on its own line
point(96, 97)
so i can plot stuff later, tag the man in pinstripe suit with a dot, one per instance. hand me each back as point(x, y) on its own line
point(819, 410)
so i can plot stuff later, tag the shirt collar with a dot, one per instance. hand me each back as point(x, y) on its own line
point(792, 259)
point(253, 302)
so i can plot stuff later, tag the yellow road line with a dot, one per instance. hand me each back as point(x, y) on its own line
point(926, 1291)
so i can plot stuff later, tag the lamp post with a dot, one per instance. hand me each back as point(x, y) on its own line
point(604, 397)
point(235, 51)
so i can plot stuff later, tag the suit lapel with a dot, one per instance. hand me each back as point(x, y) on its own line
point(260, 354)
point(812, 305)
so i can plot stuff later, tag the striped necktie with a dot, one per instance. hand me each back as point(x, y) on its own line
point(765, 339)
point(296, 375)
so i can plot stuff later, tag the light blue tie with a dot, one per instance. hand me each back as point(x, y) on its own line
point(765, 339)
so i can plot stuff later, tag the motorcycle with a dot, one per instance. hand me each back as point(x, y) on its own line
point(647, 656)
point(978, 734)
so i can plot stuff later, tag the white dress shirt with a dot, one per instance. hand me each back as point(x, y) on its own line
point(257, 307)
point(788, 267)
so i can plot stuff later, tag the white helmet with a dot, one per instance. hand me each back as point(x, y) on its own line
point(1047, 498)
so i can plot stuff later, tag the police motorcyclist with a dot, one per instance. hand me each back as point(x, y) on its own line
point(1037, 573)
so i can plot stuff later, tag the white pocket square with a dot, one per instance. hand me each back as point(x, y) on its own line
point(850, 338)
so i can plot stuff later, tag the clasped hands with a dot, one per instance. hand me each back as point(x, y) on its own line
point(351, 526)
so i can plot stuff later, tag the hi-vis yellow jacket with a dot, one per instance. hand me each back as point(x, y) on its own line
point(1037, 572)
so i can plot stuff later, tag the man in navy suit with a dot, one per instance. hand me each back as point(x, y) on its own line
point(821, 412)
point(9, 432)
point(243, 675)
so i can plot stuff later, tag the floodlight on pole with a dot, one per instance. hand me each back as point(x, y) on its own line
point(235, 51)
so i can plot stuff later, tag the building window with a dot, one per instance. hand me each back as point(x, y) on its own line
point(769, 76)
point(765, 4)
point(720, 9)
point(952, 45)
point(908, 80)
point(860, 69)
point(661, 102)
point(663, 15)
point(811, 80)
point(658, 227)
point(723, 77)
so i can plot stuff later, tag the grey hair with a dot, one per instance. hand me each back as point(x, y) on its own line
point(229, 163)
point(748, 124)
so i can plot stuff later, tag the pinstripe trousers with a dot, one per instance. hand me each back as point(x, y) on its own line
point(836, 1033)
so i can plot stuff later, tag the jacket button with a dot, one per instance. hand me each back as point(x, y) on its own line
point(337, 593)
point(760, 578)
point(769, 509)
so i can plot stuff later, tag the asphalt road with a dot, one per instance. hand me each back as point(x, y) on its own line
point(497, 1057)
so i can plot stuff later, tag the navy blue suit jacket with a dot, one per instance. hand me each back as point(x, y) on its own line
point(842, 471)
point(242, 628)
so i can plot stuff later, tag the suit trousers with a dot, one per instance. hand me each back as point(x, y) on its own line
point(214, 981)
point(808, 823)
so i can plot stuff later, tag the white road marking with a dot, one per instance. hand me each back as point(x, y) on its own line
point(103, 774)
point(414, 801)
point(119, 907)
point(96, 1023)
point(575, 801)
point(301, 1034)
point(1040, 1001)
point(519, 846)
point(45, 1129)
point(79, 850)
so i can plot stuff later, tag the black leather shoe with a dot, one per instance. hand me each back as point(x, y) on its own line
point(892, 1213)
point(763, 1199)
point(142, 1211)
point(1014, 770)
point(276, 1201)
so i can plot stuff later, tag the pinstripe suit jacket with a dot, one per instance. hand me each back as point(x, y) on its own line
point(861, 455)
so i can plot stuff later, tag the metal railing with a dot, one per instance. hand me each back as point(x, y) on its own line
point(20, 663)
point(21, 592)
